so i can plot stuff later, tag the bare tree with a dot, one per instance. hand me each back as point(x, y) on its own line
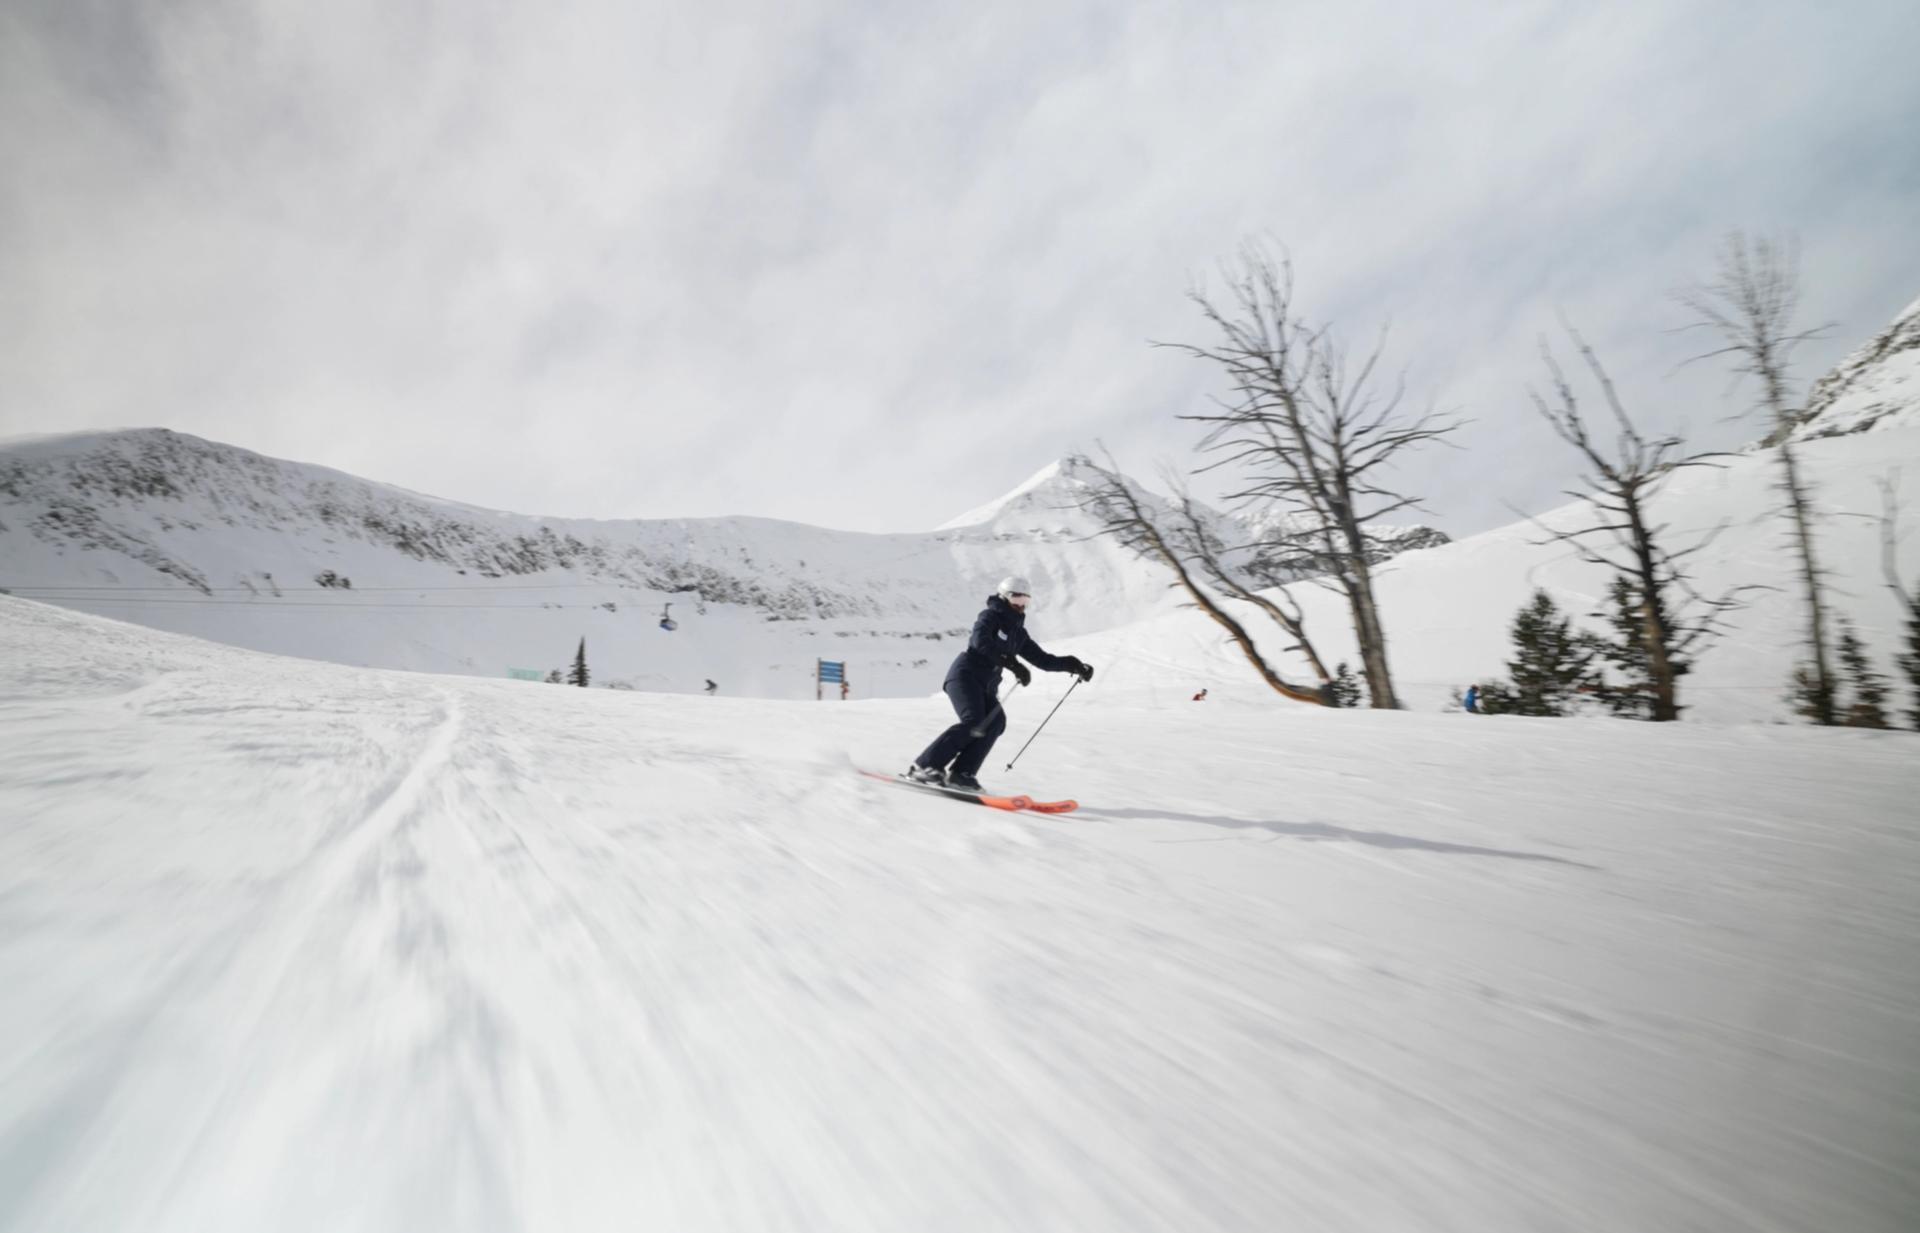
point(1312, 437)
point(1908, 659)
point(1198, 541)
point(1671, 617)
point(1750, 305)
point(1186, 546)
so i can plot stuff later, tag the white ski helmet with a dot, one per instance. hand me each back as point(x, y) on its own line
point(1013, 584)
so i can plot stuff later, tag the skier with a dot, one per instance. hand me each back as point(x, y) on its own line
point(999, 640)
point(1472, 700)
point(1201, 696)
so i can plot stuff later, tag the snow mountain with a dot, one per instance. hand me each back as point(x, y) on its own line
point(1049, 504)
point(208, 539)
point(1876, 386)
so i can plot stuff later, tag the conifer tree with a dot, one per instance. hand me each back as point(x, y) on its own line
point(1345, 686)
point(1629, 692)
point(1909, 659)
point(578, 676)
point(1552, 662)
point(1669, 618)
point(1806, 697)
point(1868, 706)
point(1496, 698)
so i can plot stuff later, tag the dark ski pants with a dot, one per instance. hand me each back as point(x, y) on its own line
point(967, 743)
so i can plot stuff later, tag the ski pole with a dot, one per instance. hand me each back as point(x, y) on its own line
point(998, 706)
point(1043, 723)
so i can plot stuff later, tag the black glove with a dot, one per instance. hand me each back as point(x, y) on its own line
point(1019, 671)
point(1080, 668)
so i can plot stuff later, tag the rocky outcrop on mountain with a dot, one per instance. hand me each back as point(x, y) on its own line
point(1877, 387)
point(1276, 548)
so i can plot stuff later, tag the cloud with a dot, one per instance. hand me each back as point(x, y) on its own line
point(867, 265)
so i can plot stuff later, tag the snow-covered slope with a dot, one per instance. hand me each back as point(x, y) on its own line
point(1448, 610)
point(1047, 501)
point(292, 946)
point(202, 538)
point(88, 518)
point(1876, 386)
point(207, 539)
point(1449, 606)
point(199, 538)
point(1048, 505)
point(1270, 537)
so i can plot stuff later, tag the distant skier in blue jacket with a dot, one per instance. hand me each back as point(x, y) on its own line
point(999, 640)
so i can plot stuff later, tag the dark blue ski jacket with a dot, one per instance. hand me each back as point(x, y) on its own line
point(999, 633)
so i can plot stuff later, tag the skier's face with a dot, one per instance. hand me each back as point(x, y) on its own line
point(1018, 601)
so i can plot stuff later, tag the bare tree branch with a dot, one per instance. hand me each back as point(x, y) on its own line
point(1750, 305)
point(1889, 486)
point(1671, 619)
point(1311, 427)
point(1124, 516)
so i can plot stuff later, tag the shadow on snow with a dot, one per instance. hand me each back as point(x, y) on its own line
point(1313, 831)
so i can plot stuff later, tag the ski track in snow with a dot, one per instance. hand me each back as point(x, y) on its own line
point(296, 946)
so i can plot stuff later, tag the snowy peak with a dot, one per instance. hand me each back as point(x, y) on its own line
point(215, 541)
point(1877, 387)
point(1047, 498)
point(1263, 538)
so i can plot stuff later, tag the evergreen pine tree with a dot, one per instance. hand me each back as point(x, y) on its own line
point(1497, 698)
point(1868, 707)
point(1909, 659)
point(554, 677)
point(1804, 693)
point(1345, 686)
point(1623, 650)
point(1552, 662)
point(578, 676)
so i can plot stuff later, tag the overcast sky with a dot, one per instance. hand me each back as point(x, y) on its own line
point(868, 265)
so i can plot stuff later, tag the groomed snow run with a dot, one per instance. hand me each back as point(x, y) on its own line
point(293, 946)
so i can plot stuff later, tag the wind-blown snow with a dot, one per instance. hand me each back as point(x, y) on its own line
point(294, 946)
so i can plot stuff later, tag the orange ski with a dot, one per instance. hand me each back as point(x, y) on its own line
point(1011, 804)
